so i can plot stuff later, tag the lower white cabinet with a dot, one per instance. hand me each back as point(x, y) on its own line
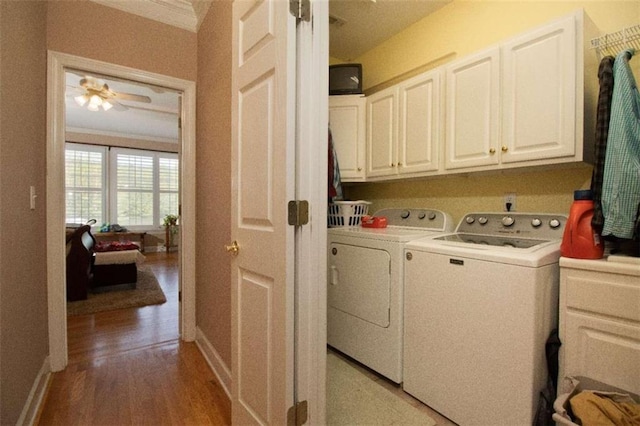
point(600, 322)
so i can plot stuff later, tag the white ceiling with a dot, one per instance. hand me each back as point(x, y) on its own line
point(157, 120)
point(362, 25)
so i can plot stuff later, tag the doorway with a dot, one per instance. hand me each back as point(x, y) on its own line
point(58, 63)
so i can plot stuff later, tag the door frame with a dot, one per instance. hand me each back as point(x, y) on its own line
point(55, 256)
point(311, 185)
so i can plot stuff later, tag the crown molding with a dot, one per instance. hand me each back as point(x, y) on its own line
point(185, 14)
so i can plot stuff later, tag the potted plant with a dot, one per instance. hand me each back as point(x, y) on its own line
point(170, 223)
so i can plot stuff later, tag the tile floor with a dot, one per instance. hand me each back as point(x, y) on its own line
point(358, 395)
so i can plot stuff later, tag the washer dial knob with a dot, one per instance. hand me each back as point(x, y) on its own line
point(508, 221)
point(422, 215)
point(554, 223)
point(536, 222)
point(482, 220)
point(469, 219)
point(405, 214)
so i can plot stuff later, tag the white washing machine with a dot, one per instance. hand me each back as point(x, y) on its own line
point(479, 307)
point(365, 286)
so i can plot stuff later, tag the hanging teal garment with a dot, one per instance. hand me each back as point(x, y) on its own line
point(621, 181)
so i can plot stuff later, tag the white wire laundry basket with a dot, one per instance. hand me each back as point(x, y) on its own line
point(347, 213)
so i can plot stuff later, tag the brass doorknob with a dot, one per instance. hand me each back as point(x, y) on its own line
point(492, 151)
point(234, 248)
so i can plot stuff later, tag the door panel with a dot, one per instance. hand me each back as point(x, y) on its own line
point(263, 143)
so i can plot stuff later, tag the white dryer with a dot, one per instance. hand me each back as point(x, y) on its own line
point(366, 285)
point(479, 307)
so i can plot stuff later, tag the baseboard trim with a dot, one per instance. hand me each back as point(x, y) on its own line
point(214, 360)
point(33, 405)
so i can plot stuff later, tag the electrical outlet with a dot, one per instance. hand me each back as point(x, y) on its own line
point(510, 202)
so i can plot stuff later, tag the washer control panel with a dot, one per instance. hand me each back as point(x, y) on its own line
point(525, 225)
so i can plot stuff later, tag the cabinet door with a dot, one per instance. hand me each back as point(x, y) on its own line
point(420, 123)
point(472, 98)
point(382, 133)
point(347, 120)
point(539, 94)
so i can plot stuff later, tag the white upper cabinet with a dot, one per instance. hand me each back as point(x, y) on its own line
point(421, 122)
point(347, 121)
point(520, 103)
point(472, 103)
point(404, 127)
point(539, 94)
point(382, 133)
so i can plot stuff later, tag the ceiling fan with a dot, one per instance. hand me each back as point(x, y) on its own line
point(97, 95)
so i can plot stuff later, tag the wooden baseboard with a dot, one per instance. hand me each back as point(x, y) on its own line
point(218, 366)
point(35, 401)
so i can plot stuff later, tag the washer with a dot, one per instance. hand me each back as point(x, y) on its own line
point(365, 286)
point(479, 306)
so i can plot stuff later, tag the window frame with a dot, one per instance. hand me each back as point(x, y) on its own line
point(110, 176)
point(104, 150)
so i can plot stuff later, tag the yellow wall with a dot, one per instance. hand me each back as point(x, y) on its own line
point(454, 31)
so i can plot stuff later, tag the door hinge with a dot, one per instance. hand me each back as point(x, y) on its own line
point(298, 212)
point(298, 414)
point(301, 9)
point(179, 296)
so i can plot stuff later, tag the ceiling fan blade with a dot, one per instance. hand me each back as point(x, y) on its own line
point(132, 97)
point(117, 105)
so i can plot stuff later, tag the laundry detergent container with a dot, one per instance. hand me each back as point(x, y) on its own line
point(580, 240)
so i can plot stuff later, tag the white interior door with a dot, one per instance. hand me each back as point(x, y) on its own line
point(263, 166)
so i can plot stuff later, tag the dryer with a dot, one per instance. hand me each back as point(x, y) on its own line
point(366, 285)
point(479, 307)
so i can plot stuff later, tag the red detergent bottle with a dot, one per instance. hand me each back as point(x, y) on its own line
point(579, 240)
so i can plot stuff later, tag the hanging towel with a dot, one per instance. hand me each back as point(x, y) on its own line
point(605, 77)
point(621, 181)
point(335, 186)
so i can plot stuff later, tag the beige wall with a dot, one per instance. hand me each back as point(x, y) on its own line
point(23, 290)
point(28, 29)
point(213, 173)
point(454, 31)
point(90, 30)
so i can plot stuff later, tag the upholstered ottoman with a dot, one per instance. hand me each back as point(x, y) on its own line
point(116, 266)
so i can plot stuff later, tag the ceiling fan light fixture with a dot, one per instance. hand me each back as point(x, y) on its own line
point(81, 100)
point(106, 105)
point(95, 101)
point(93, 108)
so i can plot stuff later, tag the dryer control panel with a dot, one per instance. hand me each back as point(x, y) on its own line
point(428, 219)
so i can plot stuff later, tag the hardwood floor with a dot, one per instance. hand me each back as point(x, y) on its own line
point(129, 367)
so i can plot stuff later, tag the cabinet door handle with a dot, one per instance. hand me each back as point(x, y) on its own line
point(492, 151)
point(399, 164)
point(504, 148)
point(359, 169)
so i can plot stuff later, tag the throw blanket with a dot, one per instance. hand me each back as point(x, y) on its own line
point(102, 246)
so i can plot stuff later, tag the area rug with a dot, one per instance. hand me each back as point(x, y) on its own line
point(147, 292)
point(355, 399)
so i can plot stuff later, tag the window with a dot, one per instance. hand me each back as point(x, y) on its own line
point(136, 190)
point(85, 183)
